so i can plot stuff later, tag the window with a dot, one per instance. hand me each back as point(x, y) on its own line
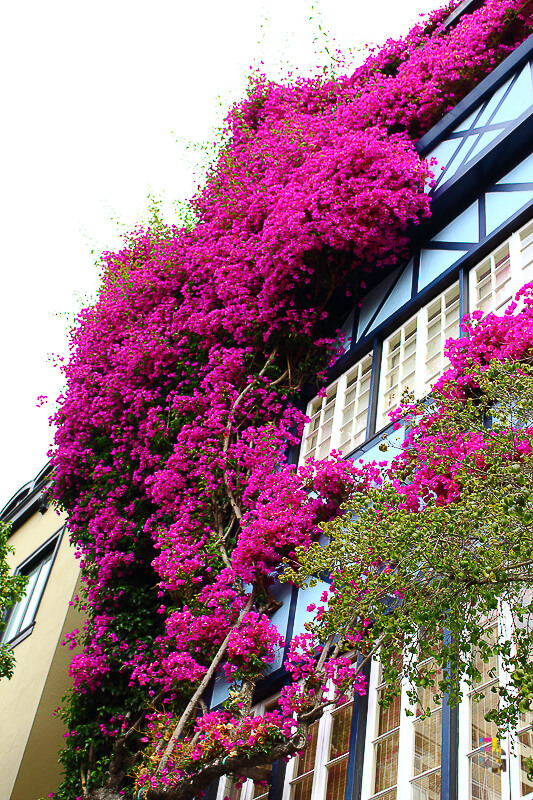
point(490, 768)
point(402, 753)
point(304, 769)
point(385, 745)
point(490, 287)
point(338, 752)
point(322, 770)
point(484, 783)
point(21, 617)
point(355, 402)
point(413, 356)
point(495, 281)
point(339, 420)
point(526, 253)
point(442, 323)
point(399, 368)
point(524, 739)
point(318, 441)
point(427, 746)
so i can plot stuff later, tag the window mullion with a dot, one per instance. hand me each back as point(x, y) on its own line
point(421, 344)
point(320, 776)
point(515, 258)
point(405, 748)
point(493, 283)
point(337, 414)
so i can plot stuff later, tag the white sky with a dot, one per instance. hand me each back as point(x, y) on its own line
point(99, 101)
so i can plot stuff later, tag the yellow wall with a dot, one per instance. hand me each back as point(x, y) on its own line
point(29, 735)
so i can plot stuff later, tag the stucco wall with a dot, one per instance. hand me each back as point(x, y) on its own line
point(29, 735)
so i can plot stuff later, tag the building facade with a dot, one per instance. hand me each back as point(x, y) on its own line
point(30, 734)
point(474, 252)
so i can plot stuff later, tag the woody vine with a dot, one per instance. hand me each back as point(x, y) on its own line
point(182, 402)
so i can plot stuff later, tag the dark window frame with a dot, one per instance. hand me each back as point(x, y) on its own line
point(48, 548)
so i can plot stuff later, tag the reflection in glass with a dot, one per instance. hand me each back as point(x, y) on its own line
point(427, 788)
point(386, 753)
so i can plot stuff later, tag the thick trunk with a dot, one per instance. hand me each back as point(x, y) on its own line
point(215, 769)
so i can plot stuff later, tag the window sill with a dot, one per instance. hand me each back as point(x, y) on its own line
point(21, 635)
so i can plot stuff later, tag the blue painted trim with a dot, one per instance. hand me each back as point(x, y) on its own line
point(463, 293)
point(384, 299)
point(416, 272)
point(464, 135)
point(482, 217)
point(275, 791)
point(511, 187)
point(466, 7)
point(487, 87)
point(486, 168)
point(432, 245)
point(450, 747)
point(374, 387)
point(467, 166)
point(290, 620)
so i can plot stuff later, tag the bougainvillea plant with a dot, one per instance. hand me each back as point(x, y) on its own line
point(182, 404)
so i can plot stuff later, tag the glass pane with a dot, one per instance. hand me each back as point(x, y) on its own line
point(316, 405)
point(324, 448)
point(427, 788)
point(364, 386)
point(481, 729)
point(340, 732)
point(525, 749)
point(29, 616)
point(386, 754)
point(425, 695)
point(331, 393)
point(328, 413)
point(428, 743)
point(526, 238)
point(350, 396)
point(306, 762)
point(311, 442)
point(18, 611)
point(348, 413)
point(489, 669)
point(336, 785)
point(389, 718)
point(434, 346)
point(486, 785)
point(302, 789)
point(502, 271)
